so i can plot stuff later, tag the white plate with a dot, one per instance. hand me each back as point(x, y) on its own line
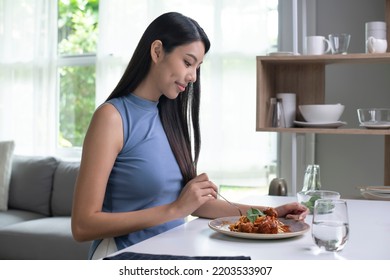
point(282, 54)
point(320, 124)
point(221, 225)
point(377, 125)
point(378, 189)
point(375, 195)
point(376, 192)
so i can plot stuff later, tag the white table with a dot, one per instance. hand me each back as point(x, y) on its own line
point(369, 237)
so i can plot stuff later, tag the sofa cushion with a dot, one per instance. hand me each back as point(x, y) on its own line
point(6, 152)
point(13, 216)
point(63, 186)
point(42, 239)
point(31, 183)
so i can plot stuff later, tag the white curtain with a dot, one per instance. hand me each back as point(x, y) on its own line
point(28, 44)
point(232, 152)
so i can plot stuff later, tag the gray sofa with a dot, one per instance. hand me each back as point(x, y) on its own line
point(37, 222)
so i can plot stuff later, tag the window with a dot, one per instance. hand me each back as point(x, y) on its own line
point(233, 153)
point(50, 89)
point(77, 42)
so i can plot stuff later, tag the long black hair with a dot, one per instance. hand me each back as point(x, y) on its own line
point(179, 116)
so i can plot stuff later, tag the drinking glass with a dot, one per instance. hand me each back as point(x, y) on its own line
point(330, 229)
point(276, 117)
point(339, 43)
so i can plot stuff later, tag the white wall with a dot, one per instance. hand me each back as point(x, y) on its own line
point(348, 161)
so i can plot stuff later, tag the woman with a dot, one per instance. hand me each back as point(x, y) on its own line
point(138, 174)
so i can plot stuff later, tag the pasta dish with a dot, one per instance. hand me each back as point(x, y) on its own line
point(260, 222)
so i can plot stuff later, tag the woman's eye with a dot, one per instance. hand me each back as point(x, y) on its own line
point(187, 63)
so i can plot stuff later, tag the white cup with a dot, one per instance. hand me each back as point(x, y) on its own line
point(317, 45)
point(376, 45)
point(289, 107)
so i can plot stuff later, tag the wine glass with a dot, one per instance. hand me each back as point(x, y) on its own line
point(330, 228)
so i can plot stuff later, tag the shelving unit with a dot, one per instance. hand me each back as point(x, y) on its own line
point(305, 76)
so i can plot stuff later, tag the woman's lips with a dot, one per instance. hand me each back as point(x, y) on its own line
point(181, 87)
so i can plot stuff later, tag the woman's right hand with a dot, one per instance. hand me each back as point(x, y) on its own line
point(194, 194)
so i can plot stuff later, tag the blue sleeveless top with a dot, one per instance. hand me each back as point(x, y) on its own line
point(145, 173)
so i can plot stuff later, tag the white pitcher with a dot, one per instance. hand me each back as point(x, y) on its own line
point(376, 45)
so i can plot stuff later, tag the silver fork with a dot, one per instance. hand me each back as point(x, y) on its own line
point(232, 204)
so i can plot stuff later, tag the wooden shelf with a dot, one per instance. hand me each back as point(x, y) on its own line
point(327, 59)
point(305, 76)
point(355, 131)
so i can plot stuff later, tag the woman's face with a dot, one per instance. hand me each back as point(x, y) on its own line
point(176, 70)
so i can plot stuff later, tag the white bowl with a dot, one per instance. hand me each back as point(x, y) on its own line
point(321, 113)
point(309, 197)
point(374, 116)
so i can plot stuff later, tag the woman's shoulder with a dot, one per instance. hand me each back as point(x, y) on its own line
point(107, 113)
point(105, 126)
point(106, 108)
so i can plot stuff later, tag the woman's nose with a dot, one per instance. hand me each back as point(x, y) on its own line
point(191, 77)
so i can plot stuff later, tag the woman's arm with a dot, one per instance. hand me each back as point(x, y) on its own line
point(103, 142)
point(220, 208)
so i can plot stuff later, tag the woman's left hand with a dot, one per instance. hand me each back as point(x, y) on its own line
point(292, 210)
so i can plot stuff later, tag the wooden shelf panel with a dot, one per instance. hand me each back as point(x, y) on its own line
point(327, 59)
point(345, 131)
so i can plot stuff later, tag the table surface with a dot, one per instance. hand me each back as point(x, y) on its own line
point(369, 237)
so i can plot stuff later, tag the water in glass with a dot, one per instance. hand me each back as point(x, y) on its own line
point(332, 236)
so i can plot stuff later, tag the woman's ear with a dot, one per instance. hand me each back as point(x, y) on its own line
point(156, 50)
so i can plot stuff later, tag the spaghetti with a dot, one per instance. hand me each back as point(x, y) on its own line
point(265, 222)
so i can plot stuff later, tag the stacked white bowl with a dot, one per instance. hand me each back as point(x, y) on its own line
point(321, 113)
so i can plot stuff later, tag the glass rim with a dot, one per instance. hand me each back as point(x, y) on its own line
point(333, 200)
